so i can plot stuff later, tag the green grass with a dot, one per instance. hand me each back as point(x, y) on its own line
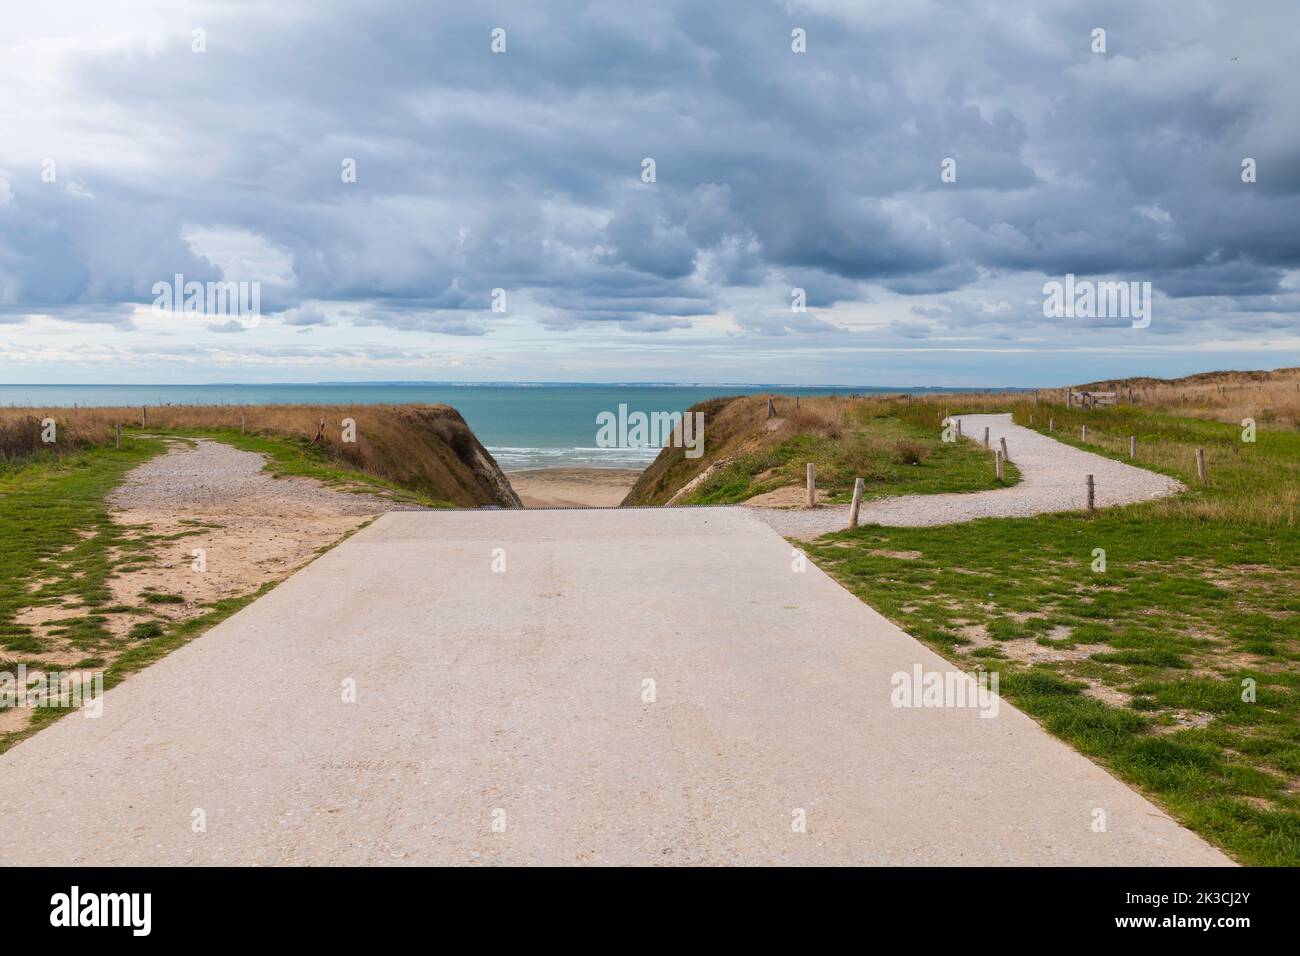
point(1201, 593)
point(891, 449)
point(155, 597)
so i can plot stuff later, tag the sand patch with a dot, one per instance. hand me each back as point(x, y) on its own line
point(573, 487)
point(1106, 694)
point(791, 496)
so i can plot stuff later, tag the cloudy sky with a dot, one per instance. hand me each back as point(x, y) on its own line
point(127, 156)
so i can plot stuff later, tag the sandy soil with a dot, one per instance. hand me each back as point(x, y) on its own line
point(573, 487)
point(251, 527)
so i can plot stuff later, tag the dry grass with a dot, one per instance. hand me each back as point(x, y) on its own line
point(822, 416)
point(20, 437)
point(1269, 397)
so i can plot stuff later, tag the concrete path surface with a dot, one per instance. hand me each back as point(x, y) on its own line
point(504, 717)
point(1051, 479)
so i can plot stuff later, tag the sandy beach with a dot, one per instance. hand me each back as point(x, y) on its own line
point(572, 487)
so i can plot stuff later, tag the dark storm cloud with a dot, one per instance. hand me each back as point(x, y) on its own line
point(820, 170)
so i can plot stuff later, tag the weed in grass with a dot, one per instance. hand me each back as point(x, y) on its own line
point(156, 597)
point(145, 629)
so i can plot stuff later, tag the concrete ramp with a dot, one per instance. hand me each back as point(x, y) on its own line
point(505, 716)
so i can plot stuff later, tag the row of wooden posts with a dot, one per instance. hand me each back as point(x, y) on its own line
point(1133, 450)
point(1132, 444)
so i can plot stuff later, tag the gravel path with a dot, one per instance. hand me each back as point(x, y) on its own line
point(214, 477)
point(1052, 479)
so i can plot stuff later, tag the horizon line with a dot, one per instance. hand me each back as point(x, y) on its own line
point(508, 383)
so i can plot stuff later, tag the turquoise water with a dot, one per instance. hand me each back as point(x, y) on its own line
point(524, 426)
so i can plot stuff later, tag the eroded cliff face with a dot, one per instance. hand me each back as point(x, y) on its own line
point(672, 473)
point(431, 449)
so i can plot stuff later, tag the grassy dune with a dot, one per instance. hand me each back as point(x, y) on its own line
point(1270, 397)
point(893, 445)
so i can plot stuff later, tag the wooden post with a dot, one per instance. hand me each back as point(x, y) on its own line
point(144, 416)
point(1132, 446)
point(1005, 456)
point(857, 503)
point(909, 398)
point(320, 432)
point(1200, 463)
point(1069, 397)
point(959, 428)
point(796, 402)
point(118, 429)
point(1085, 432)
point(812, 485)
point(243, 422)
point(986, 436)
point(997, 462)
point(1031, 421)
point(1092, 499)
point(1051, 423)
point(1130, 394)
point(771, 409)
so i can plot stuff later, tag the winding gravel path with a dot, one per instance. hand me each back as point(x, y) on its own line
point(1052, 479)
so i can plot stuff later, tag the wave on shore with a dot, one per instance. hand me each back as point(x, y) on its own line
point(514, 458)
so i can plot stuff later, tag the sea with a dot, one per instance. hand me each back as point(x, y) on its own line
point(523, 425)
